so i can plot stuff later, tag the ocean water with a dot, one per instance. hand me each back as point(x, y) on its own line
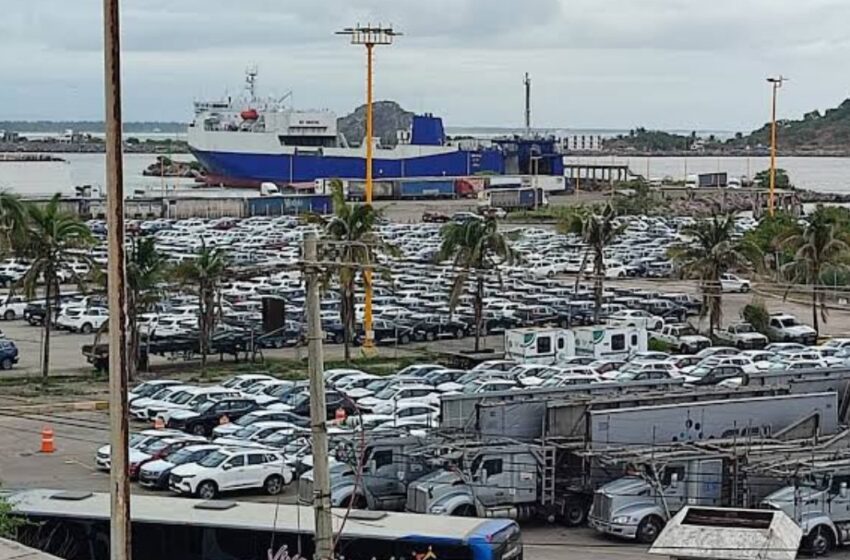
point(42, 178)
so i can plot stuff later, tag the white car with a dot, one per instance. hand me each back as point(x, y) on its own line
point(256, 432)
point(226, 430)
point(148, 388)
point(226, 470)
point(197, 397)
point(732, 283)
point(103, 454)
point(637, 318)
point(13, 307)
point(404, 413)
point(396, 393)
point(82, 320)
point(242, 382)
point(138, 408)
point(786, 328)
point(641, 370)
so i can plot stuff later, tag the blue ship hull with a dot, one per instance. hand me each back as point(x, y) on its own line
point(244, 169)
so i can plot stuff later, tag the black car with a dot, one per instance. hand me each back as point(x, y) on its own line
point(34, 313)
point(157, 479)
point(714, 375)
point(334, 400)
point(212, 414)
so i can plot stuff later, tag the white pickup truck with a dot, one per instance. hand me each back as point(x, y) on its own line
point(742, 336)
point(682, 337)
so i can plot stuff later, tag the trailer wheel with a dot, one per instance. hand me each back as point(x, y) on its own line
point(820, 541)
point(575, 514)
point(649, 529)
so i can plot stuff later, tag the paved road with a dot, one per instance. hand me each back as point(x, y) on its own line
point(78, 435)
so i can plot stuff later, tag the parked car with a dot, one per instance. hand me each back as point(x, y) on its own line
point(732, 283)
point(212, 414)
point(227, 469)
point(742, 336)
point(786, 328)
point(155, 474)
point(8, 353)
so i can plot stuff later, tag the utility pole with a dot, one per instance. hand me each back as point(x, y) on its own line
point(119, 482)
point(318, 414)
point(776, 83)
point(369, 36)
point(527, 83)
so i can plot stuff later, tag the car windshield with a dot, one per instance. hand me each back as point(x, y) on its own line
point(214, 459)
point(377, 385)
point(744, 329)
point(687, 331)
point(247, 419)
point(387, 393)
point(182, 398)
point(136, 439)
point(700, 372)
point(275, 390)
point(247, 431)
point(472, 388)
point(206, 406)
point(300, 399)
point(789, 322)
point(180, 456)
point(626, 375)
point(153, 446)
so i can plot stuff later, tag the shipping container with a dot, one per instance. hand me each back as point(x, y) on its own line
point(179, 208)
point(441, 188)
point(381, 190)
point(289, 205)
point(514, 199)
point(712, 180)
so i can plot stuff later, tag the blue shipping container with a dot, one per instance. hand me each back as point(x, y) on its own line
point(426, 189)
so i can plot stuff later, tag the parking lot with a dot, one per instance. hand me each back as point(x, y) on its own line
point(79, 434)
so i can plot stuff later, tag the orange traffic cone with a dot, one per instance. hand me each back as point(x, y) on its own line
point(341, 415)
point(47, 445)
point(159, 423)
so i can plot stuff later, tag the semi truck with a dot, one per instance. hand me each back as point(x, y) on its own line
point(523, 198)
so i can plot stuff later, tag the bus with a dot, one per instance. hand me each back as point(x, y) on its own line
point(75, 526)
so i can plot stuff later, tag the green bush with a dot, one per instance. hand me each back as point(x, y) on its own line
point(757, 315)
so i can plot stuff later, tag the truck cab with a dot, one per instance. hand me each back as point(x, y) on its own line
point(638, 506)
point(821, 506)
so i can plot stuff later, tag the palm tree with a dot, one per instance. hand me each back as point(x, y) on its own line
point(352, 226)
point(712, 252)
point(13, 221)
point(597, 231)
point(146, 269)
point(52, 236)
point(476, 247)
point(818, 248)
point(204, 274)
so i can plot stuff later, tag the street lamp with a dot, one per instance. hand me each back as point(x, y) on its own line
point(776, 84)
point(369, 36)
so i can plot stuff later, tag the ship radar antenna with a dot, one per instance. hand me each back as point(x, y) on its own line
point(251, 81)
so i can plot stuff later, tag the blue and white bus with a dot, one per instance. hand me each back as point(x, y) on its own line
point(75, 526)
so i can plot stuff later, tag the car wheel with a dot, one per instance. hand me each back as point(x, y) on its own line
point(6, 363)
point(405, 339)
point(429, 336)
point(820, 541)
point(86, 328)
point(745, 288)
point(649, 529)
point(273, 485)
point(207, 490)
point(278, 343)
point(199, 430)
point(9, 315)
point(459, 333)
point(339, 339)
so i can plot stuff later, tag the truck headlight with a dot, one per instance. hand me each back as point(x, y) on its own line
point(621, 519)
point(438, 510)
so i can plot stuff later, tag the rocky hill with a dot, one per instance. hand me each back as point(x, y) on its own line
point(816, 132)
point(388, 118)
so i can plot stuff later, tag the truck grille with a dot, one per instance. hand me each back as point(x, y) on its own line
point(601, 506)
point(305, 491)
point(417, 499)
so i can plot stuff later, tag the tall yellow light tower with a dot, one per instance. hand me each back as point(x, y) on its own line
point(776, 83)
point(369, 36)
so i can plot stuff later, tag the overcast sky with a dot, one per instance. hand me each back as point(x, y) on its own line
point(675, 64)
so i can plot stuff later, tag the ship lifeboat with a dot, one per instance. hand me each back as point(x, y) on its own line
point(249, 115)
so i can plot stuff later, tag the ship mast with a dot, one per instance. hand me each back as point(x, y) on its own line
point(251, 82)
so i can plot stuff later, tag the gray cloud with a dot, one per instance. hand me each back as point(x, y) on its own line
point(605, 63)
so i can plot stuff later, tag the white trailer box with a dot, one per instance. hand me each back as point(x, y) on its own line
point(612, 343)
point(539, 345)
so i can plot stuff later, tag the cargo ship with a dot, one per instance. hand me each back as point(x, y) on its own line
point(248, 141)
